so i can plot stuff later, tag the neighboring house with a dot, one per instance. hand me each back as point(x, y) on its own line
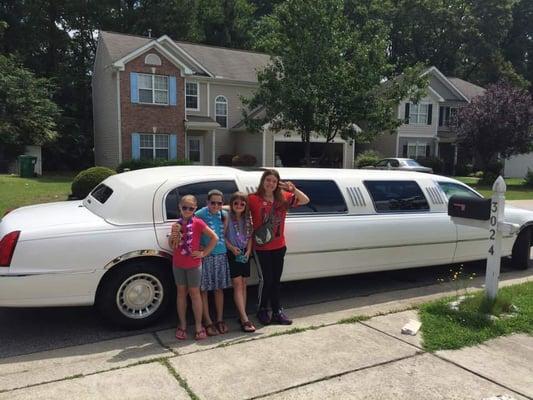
point(158, 98)
point(426, 131)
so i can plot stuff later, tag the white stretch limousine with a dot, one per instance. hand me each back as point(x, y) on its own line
point(111, 248)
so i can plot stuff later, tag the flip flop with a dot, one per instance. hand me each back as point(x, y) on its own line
point(210, 330)
point(221, 326)
point(247, 326)
point(200, 335)
point(181, 334)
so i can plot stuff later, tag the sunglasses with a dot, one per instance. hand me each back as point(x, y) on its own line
point(216, 203)
point(239, 203)
point(185, 208)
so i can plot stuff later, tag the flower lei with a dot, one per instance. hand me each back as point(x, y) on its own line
point(185, 243)
point(241, 238)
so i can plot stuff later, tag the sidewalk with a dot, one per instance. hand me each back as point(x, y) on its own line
point(316, 358)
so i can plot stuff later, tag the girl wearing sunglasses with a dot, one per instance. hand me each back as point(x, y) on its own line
point(239, 244)
point(215, 269)
point(187, 257)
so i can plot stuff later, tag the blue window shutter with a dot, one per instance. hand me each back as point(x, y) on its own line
point(430, 113)
point(173, 147)
point(406, 115)
point(133, 87)
point(172, 90)
point(135, 146)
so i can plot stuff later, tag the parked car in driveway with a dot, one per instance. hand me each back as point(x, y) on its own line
point(404, 164)
point(111, 249)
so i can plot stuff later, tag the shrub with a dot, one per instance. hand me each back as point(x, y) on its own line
point(225, 159)
point(88, 179)
point(436, 164)
point(491, 172)
point(528, 180)
point(463, 169)
point(141, 164)
point(244, 160)
point(367, 157)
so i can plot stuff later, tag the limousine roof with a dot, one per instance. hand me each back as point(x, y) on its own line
point(133, 192)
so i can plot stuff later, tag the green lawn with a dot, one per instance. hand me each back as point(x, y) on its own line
point(516, 190)
point(17, 192)
point(444, 328)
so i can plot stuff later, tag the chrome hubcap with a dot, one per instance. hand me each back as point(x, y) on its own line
point(139, 296)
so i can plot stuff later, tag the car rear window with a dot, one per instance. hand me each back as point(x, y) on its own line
point(397, 196)
point(101, 193)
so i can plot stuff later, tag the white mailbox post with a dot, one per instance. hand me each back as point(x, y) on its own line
point(496, 227)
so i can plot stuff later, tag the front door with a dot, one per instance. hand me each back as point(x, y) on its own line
point(195, 149)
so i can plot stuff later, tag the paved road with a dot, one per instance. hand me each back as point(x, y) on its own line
point(24, 331)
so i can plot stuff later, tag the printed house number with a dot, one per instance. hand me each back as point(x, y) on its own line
point(493, 222)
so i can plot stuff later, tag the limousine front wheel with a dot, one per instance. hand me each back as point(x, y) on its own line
point(521, 257)
point(136, 294)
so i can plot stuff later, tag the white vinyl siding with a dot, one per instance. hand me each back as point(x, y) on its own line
point(153, 89)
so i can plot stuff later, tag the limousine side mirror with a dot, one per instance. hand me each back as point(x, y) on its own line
point(469, 207)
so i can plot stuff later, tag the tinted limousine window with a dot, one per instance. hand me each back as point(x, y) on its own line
point(396, 196)
point(325, 197)
point(199, 190)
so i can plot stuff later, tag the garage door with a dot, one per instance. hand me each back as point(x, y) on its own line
point(292, 154)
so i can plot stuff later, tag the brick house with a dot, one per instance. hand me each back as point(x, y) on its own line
point(158, 98)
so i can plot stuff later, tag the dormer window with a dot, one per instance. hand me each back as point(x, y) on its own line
point(191, 96)
point(153, 89)
point(221, 111)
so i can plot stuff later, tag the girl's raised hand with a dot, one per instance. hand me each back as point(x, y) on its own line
point(287, 186)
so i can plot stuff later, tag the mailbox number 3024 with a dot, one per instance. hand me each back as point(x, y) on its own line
point(493, 222)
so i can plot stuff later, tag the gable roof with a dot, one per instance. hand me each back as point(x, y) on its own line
point(468, 89)
point(221, 62)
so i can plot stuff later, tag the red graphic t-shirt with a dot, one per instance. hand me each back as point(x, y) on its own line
point(260, 208)
point(186, 261)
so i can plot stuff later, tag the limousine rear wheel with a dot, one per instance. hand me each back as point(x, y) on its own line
point(135, 294)
point(521, 257)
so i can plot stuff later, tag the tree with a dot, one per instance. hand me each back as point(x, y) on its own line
point(27, 115)
point(498, 123)
point(326, 73)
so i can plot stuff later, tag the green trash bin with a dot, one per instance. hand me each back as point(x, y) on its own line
point(27, 166)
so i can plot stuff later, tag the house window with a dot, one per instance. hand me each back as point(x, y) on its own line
point(154, 147)
point(191, 96)
point(446, 114)
point(221, 111)
point(417, 150)
point(153, 89)
point(418, 113)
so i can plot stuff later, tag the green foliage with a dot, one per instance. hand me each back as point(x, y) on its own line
point(444, 328)
point(27, 115)
point(327, 73)
point(225, 159)
point(432, 162)
point(88, 179)
point(463, 169)
point(244, 160)
point(145, 163)
point(528, 180)
point(366, 158)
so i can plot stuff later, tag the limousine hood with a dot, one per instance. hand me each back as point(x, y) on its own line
point(45, 220)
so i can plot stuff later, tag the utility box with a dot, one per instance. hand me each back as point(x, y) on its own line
point(469, 207)
point(27, 166)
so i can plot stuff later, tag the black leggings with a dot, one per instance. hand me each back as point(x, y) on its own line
point(271, 265)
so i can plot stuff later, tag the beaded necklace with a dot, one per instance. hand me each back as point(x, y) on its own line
point(241, 235)
point(185, 244)
point(215, 223)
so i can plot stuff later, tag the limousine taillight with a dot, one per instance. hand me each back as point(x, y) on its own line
point(7, 248)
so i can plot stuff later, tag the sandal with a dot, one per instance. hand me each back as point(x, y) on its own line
point(221, 326)
point(210, 330)
point(200, 335)
point(247, 326)
point(181, 334)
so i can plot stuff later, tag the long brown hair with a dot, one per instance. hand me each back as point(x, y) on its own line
point(279, 200)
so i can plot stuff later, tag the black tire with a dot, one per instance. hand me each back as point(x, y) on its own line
point(150, 286)
point(521, 258)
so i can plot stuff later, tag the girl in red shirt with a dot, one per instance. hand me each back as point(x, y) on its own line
point(184, 239)
point(272, 199)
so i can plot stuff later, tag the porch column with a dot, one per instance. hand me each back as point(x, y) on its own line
point(213, 142)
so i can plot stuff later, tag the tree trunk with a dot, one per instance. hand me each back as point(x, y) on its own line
point(308, 151)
